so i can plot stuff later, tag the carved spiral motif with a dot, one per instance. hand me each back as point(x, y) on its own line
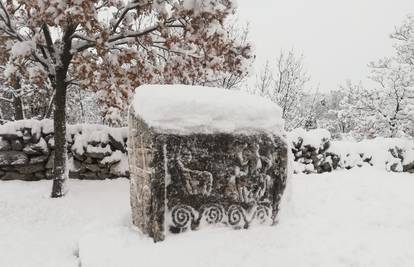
point(235, 215)
point(182, 216)
point(213, 214)
point(262, 214)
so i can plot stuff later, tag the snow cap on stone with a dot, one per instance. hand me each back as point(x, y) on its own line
point(183, 109)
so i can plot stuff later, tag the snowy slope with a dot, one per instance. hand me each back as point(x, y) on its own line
point(362, 217)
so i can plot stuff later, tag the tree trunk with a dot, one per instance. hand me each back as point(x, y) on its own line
point(60, 172)
point(18, 108)
point(17, 102)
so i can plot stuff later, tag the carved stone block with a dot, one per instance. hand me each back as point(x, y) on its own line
point(185, 182)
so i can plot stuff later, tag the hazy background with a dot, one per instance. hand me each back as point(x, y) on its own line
point(337, 38)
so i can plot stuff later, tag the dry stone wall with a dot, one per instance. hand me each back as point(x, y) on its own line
point(94, 151)
point(314, 152)
point(99, 152)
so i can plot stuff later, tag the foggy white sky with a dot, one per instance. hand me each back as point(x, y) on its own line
point(337, 37)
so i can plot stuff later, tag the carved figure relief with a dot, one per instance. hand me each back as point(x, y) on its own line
point(195, 181)
point(222, 179)
point(250, 178)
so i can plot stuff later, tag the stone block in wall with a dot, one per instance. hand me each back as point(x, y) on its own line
point(10, 135)
point(77, 166)
point(16, 145)
point(39, 148)
point(38, 159)
point(87, 175)
point(116, 144)
point(92, 167)
point(31, 168)
point(13, 158)
point(104, 174)
point(98, 152)
point(41, 175)
point(89, 160)
point(78, 156)
point(16, 176)
point(4, 145)
point(74, 174)
point(203, 175)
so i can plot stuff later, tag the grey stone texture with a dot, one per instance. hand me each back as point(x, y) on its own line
point(28, 153)
point(184, 182)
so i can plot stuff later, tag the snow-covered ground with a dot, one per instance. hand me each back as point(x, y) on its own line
point(36, 230)
point(362, 217)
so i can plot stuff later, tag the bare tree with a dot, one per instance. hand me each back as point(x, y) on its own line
point(387, 109)
point(284, 84)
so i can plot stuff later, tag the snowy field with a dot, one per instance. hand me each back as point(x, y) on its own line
point(363, 217)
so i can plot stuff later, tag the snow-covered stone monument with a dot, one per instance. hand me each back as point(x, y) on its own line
point(202, 156)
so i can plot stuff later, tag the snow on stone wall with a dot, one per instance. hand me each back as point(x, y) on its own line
point(99, 152)
point(94, 151)
point(314, 152)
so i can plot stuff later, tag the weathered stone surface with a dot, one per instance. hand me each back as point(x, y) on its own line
point(50, 162)
point(78, 156)
point(38, 159)
point(117, 145)
point(77, 166)
point(4, 145)
point(109, 164)
point(226, 179)
point(92, 167)
point(9, 136)
point(74, 174)
point(89, 160)
point(31, 168)
point(27, 136)
point(97, 154)
point(49, 173)
point(40, 175)
point(16, 145)
point(16, 176)
point(88, 175)
point(12, 158)
point(38, 148)
point(103, 174)
point(409, 168)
